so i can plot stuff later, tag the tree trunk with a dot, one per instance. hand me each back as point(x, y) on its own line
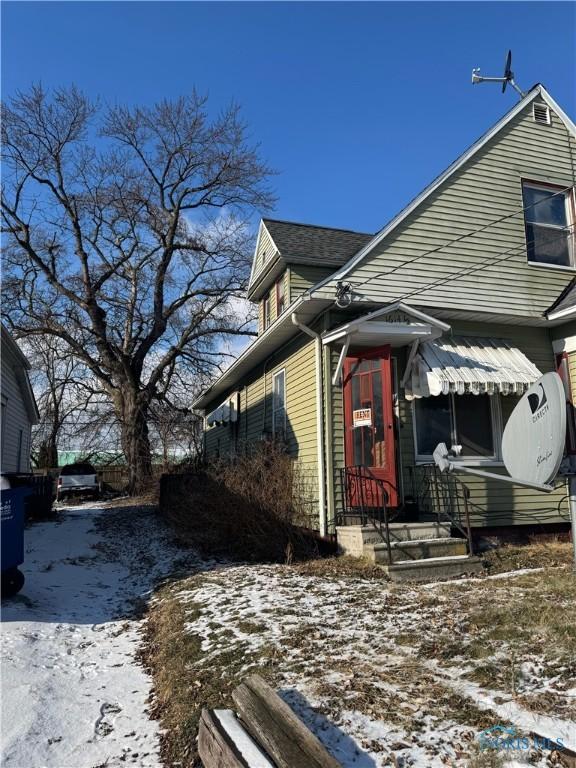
point(48, 454)
point(135, 441)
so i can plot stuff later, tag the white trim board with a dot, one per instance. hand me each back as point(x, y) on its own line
point(537, 91)
point(254, 271)
point(562, 313)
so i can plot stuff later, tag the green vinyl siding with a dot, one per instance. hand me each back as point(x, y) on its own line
point(255, 417)
point(266, 250)
point(304, 276)
point(218, 440)
point(487, 188)
point(273, 301)
point(572, 371)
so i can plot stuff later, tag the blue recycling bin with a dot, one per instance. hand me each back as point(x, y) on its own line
point(12, 522)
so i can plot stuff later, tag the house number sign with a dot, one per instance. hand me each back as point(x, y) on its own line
point(362, 417)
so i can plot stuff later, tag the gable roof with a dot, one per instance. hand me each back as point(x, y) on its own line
point(537, 91)
point(565, 303)
point(312, 301)
point(311, 244)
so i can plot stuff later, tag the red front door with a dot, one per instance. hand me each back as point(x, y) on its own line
point(369, 417)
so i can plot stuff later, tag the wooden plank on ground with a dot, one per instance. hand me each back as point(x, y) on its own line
point(277, 729)
point(223, 742)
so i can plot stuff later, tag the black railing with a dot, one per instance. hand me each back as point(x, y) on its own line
point(364, 502)
point(444, 495)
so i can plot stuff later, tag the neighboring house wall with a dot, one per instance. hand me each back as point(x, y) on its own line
point(16, 423)
point(485, 189)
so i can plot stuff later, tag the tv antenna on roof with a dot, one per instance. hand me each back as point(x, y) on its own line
point(507, 78)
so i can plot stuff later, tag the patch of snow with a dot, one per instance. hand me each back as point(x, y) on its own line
point(73, 694)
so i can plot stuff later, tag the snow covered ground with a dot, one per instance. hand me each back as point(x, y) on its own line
point(73, 693)
point(384, 675)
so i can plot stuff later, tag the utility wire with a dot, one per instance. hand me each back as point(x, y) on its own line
point(461, 237)
point(498, 259)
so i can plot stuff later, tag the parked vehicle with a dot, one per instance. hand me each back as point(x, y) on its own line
point(80, 478)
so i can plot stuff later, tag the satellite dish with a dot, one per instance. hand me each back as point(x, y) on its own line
point(535, 435)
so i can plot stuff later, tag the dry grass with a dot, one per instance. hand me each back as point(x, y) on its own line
point(539, 554)
point(343, 566)
point(367, 646)
point(253, 508)
point(172, 653)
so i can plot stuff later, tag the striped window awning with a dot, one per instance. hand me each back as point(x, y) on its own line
point(468, 365)
point(225, 413)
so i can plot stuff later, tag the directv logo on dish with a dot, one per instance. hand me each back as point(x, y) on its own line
point(538, 404)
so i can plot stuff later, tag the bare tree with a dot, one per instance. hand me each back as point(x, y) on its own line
point(52, 376)
point(127, 240)
point(75, 412)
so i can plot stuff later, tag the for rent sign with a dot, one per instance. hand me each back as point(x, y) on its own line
point(362, 417)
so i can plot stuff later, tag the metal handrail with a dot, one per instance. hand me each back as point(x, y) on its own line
point(447, 493)
point(361, 480)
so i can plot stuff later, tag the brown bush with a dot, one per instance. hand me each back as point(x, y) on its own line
point(254, 507)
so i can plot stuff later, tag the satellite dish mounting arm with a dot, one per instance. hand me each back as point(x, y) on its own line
point(442, 459)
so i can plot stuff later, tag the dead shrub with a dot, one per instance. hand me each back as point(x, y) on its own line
point(254, 507)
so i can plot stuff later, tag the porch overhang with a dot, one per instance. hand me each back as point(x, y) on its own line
point(468, 365)
point(396, 325)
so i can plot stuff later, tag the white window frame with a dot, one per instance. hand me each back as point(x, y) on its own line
point(267, 315)
point(275, 426)
point(473, 461)
point(570, 222)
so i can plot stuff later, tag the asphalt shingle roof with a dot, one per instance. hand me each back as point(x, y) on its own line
point(566, 300)
point(309, 244)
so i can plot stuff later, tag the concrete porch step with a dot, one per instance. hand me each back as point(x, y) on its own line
point(418, 531)
point(353, 539)
point(416, 550)
point(434, 568)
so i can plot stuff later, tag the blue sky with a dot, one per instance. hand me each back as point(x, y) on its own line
point(357, 105)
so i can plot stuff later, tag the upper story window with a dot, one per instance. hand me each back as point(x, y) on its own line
point(280, 296)
point(549, 220)
point(266, 311)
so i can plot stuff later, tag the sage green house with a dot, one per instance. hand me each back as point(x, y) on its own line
point(373, 348)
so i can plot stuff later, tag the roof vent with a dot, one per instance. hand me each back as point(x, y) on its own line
point(541, 113)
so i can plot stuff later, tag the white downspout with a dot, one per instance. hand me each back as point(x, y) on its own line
point(319, 421)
